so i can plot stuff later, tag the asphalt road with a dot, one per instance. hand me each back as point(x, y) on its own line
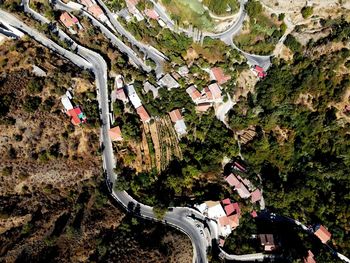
point(226, 36)
point(88, 59)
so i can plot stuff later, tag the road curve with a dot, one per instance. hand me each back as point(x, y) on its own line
point(86, 58)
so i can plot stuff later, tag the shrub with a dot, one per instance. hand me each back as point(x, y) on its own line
point(307, 11)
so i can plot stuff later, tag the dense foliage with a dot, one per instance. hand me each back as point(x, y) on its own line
point(221, 7)
point(306, 174)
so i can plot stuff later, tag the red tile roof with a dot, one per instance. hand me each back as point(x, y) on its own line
point(242, 191)
point(86, 2)
point(258, 68)
point(254, 214)
point(240, 167)
point(141, 111)
point(120, 94)
point(234, 220)
point(208, 93)
point(67, 19)
point(323, 234)
point(219, 75)
point(224, 221)
point(175, 115)
point(194, 93)
point(237, 208)
point(309, 258)
point(95, 10)
point(151, 13)
point(229, 209)
point(203, 107)
point(74, 114)
point(232, 180)
point(256, 196)
point(115, 134)
point(215, 90)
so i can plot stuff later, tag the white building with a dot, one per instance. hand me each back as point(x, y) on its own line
point(133, 97)
point(67, 104)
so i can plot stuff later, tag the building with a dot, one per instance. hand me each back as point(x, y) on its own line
point(254, 214)
point(259, 71)
point(168, 81)
point(226, 201)
point(115, 134)
point(120, 95)
point(232, 180)
point(67, 104)
point(219, 75)
point(133, 97)
point(239, 167)
point(183, 71)
point(180, 125)
point(87, 3)
point(322, 233)
point(194, 94)
point(151, 13)
point(141, 111)
point(214, 209)
point(149, 87)
point(267, 241)
point(309, 258)
point(203, 107)
point(256, 196)
point(119, 83)
point(242, 191)
point(229, 209)
point(68, 20)
point(131, 5)
point(97, 12)
point(216, 92)
point(77, 115)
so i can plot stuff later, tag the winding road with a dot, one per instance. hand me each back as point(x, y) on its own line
point(178, 217)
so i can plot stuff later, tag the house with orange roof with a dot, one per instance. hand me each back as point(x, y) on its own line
point(219, 75)
point(232, 180)
point(141, 111)
point(97, 12)
point(68, 20)
point(151, 13)
point(216, 92)
point(87, 3)
point(115, 134)
point(120, 95)
point(309, 258)
point(242, 191)
point(256, 196)
point(203, 107)
point(180, 126)
point(77, 115)
point(194, 93)
point(322, 233)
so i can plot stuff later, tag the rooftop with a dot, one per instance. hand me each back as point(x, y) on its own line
point(149, 87)
point(175, 115)
point(120, 95)
point(220, 76)
point(256, 196)
point(115, 134)
point(87, 3)
point(323, 234)
point(203, 107)
point(232, 180)
point(168, 81)
point(134, 98)
point(242, 191)
point(194, 93)
point(216, 91)
point(309, 258)
point(141, 111)
point(68, 20)
point(95, 10)
point(151, 13)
